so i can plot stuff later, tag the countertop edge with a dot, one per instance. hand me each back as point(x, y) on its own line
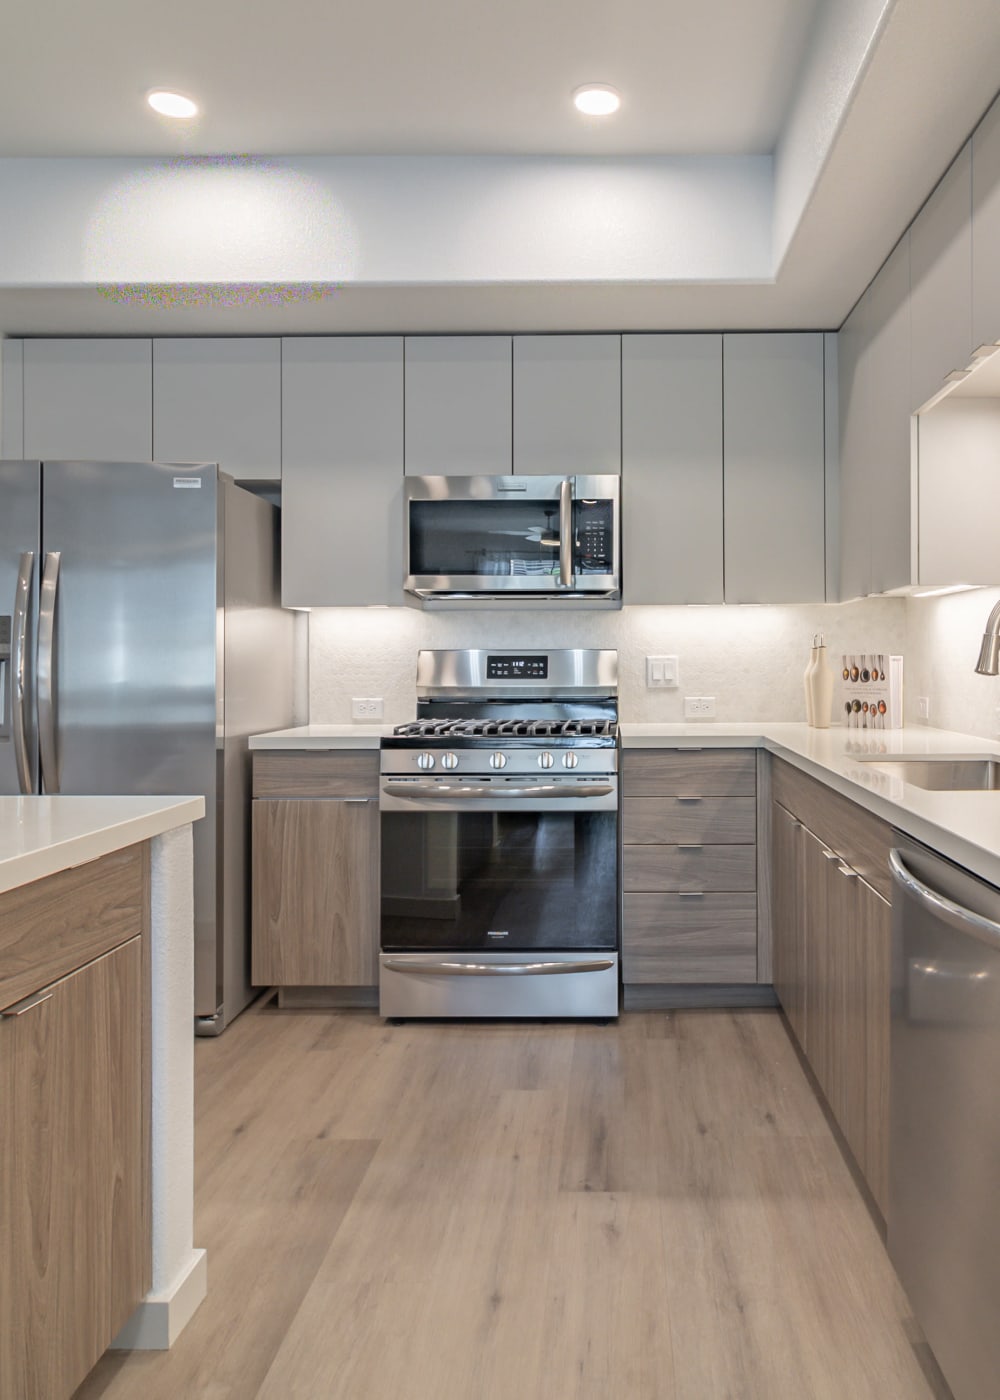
point(321, 736)
point(109, 833)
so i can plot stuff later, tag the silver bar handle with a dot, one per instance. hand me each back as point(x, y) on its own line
point(965, 920)
point(48, 751)
point(418, 792)
point(29, 1004)
point(18, 666)
point(528, 969)
point(844, 869)
point(691, 894)
point(566, 532)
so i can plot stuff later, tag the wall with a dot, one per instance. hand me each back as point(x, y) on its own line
point(750, 658)
point(942, 645)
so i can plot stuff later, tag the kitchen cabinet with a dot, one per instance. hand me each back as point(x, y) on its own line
point(941, 282)
point(774, 498)
point(672, 523)
point(458, 392)
point(89, 400)
point(567, 404)
point(75, 1254)
point(832, 943)
point(986, 229)
point(12, 399)
point(342, 471)
point(219, 400)
point(315, 871)
point(689, 833)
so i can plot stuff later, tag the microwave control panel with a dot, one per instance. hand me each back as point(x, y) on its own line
point(593, 531)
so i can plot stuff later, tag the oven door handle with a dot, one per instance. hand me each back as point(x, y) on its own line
point(420, 792)
point(525, 969)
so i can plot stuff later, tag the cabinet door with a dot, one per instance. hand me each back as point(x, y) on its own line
point(12, 399)
point(672, 468)
point(873, 916)
point(315, 892)
point(818, 1012)
point(788, 884)
point(88, 400)
point(458, 405)
point(986, 228)
point(855, 401)
point(567, 404)
point(219, 400)
point(342, 478)
point(941, 281)
point(775, 489)
point(74, 1250)
point(885, 490)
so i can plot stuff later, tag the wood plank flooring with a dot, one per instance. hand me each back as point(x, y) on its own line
point(653, 1210)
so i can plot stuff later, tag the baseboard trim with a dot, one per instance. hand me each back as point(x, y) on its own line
point(328, 998)
point(161, 1317)
point(679, 996)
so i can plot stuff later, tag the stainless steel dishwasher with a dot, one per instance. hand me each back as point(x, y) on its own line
point(944, 1163)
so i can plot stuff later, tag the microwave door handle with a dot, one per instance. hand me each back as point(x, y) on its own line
point(566, 532)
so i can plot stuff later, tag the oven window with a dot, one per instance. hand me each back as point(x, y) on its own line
point(506, 881)
point(485, 538)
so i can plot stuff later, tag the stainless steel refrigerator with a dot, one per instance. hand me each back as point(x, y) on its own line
point(141, 641)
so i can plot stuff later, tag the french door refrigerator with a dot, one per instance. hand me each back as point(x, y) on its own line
point(141, 641)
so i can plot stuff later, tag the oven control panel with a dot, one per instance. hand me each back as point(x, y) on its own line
point(517, 668)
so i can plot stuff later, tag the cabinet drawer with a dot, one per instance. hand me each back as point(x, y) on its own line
point(315, 773)
point(51, 927)
point(669, 868)
point(668, 821)
point(703, 773)
point(672, 938)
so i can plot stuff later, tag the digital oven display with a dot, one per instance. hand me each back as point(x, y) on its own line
point(517, 668)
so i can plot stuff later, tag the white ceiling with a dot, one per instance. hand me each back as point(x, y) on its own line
point(863, 102)
point(399, 76)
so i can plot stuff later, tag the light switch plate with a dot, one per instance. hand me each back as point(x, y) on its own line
point(661, 672)
point(699, 707)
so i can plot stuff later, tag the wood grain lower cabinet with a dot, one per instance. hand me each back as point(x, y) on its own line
point(689, 831)
point(832, 942)
point(315, 869)
point(74, 1245)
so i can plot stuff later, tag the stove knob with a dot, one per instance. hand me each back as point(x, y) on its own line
point(498, 760)
point(545, 760)
point(425, 760)
point(570, 760)
point(450, 760)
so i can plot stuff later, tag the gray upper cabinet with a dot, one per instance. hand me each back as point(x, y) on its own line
point(219, 400)
point(986, 229)
point(88, 399)
point(856, 409)
point(458, 405)
point(672, 468)
point(775, 486)
point(567, 404)
point(941, 281)
point(886, 484)
point(342, 482)
point(12, 399)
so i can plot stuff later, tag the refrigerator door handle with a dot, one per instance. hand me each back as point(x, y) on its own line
point(47, 748)
point(19, 668)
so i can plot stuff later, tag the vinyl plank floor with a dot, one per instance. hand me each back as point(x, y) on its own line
point(653, 1210)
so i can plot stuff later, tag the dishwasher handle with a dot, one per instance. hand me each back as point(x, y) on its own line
point(965, 920)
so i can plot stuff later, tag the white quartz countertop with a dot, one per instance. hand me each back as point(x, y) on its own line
point(323, 736)
point(962, 825)
point(40, 836)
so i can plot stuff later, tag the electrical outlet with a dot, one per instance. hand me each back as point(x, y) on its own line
point(923, 707)
point(661, 672)
point(366, 709)
point(699, 707)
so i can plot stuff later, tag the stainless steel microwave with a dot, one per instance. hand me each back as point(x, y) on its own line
point(508, 539)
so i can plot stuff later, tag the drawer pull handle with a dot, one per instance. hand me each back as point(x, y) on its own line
point(846, 870)
point(690, 848)
point(688, 799)
point(691, 894)
point(831, 855)
point(28, 1004)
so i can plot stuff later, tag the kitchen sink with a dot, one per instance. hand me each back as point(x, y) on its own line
point(945, 774)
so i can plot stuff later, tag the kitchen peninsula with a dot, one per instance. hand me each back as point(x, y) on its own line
point(96, 1083)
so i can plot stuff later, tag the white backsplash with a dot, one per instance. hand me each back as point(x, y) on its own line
point(942, 646)
point(750, 658)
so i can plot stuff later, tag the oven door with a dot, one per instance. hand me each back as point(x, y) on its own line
point(512, 536)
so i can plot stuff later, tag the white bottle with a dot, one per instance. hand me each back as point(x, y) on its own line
point(807, 682)
point(820, 686)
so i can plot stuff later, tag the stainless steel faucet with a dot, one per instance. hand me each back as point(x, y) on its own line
point(989, 653)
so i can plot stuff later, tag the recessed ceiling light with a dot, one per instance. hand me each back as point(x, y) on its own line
point(172, 104)
point(596, 99)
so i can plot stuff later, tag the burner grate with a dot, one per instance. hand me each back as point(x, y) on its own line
point(507, 728)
